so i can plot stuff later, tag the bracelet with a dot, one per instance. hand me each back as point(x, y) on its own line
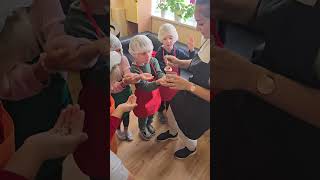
point(192, 88)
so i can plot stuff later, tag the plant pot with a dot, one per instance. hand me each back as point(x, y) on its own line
point(163, 13)
point(177, 18)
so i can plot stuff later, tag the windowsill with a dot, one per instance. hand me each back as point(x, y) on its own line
point(170, 19)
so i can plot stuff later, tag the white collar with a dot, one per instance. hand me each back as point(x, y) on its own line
point(204, 52)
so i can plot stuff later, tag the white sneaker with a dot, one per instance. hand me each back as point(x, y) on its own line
point(120, 135)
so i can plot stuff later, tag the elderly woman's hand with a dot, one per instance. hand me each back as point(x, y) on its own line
point(232, 71)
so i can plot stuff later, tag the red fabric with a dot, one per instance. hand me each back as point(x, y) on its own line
point(154, 53)
point(166, 93)
point(7, 175)
point(7, 145)
point(148, 102)
point(1, 133)
point(91, 156)
point(114, 124)
point(114, 121)
point(112, 104)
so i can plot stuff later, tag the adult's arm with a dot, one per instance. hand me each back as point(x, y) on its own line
point(232, 71)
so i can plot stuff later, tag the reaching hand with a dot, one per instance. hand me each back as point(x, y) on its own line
point(129, 105)
point(161, 80)
point(172, 60)
point(176, 82)
point(63, 138)
point(131, 78)
point(68, 52)
point(146, 76)
point(66, 42)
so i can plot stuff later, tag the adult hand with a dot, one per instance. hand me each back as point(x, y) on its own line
point(63, 138)
point(232, 71)
point(161, 80)
point(176, 82)
point(172, 61)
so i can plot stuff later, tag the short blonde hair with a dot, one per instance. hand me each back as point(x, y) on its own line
point(168, 29)
point(140, 44)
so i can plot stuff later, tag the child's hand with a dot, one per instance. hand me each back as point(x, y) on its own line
point(63, 138)
point(191, 43)
point(131, 78)
point(132, 99)
point(66, 42)
point(146, 76)
point(68, 53)
point(129, 105)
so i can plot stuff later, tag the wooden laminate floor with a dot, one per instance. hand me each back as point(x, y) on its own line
point(151, 160)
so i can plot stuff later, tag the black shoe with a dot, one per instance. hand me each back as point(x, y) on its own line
point(166, 135)
point(145, 134)
point(151, 129)
point(184, 153)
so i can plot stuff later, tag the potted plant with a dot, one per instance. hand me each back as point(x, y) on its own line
point(163, 6)
point(177, 7)
point(189, 11)
point(180, 9)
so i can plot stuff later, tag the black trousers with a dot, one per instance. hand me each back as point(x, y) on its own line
point(164, 106)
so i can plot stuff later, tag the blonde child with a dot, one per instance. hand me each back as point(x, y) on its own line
point(147, 91)
point(168, 36)
point(120, 90)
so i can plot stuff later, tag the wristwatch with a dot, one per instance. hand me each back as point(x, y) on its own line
point(266, 84)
